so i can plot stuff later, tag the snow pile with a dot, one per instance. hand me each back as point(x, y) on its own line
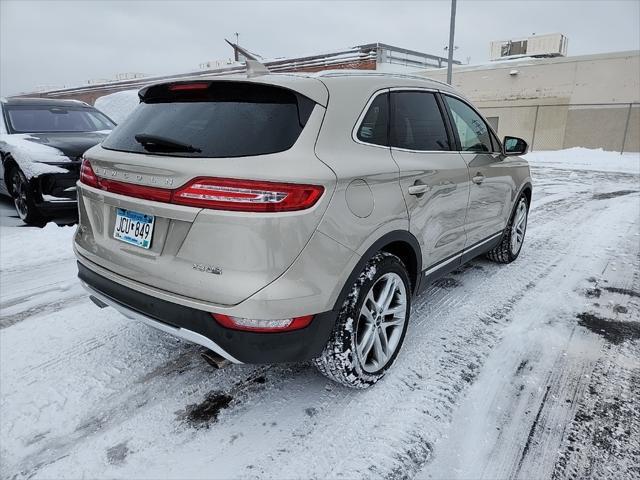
point(119, 105)
point(23, 248)
point(579, 158)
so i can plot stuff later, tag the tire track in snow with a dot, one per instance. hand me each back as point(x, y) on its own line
point(25, 294)
point(456, 366)
point(47, 308)
point(550, 372)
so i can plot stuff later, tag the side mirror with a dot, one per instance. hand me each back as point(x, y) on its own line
point(514, 146)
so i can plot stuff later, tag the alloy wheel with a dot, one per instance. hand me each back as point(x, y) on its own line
point(19, 190)
point(381, 322)
point(519, 227)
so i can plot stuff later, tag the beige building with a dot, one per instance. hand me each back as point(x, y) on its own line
point(588, 101)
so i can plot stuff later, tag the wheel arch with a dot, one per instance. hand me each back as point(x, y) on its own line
point(400, 243)
point(527, 190)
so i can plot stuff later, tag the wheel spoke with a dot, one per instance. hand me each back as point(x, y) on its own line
point(367, 313)
point(522, 220)
point(384, 341)
point(366, 342)
point(370, 299)
point(393, 322)
point(391, 293)
point(378, 349)
point(384, 293)
point(394, 310)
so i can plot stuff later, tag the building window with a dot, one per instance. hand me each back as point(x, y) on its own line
point(493, 121)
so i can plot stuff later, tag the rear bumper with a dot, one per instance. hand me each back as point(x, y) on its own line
point(199, 327)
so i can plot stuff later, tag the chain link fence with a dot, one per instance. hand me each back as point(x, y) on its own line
point(613, 127)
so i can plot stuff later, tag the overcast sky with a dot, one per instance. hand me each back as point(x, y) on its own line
point(61, 43)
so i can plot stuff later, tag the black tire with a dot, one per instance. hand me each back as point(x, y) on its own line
point(22, 196)
point(339, 360)
point(506, 252)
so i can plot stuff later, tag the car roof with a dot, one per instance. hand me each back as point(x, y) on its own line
point(383, 79)
point(44, 102)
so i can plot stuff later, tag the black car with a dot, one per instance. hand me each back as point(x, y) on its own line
point(41, 146)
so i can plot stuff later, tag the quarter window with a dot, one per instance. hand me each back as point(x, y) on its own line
point(375, 125)
point(472, 131)
point(416, 122)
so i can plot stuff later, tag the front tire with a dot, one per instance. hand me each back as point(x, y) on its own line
point(513, 238)
point(371, 325)
point(23, 199)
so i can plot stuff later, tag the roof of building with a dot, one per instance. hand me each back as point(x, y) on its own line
point(48, 102)
point(524, 61)
point(321, 61)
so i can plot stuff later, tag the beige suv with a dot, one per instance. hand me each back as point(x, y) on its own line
point(283, 218)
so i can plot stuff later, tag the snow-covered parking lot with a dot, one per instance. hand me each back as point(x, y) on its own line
point(530, 370)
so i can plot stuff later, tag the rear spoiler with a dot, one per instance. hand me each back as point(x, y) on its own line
point(193, 88)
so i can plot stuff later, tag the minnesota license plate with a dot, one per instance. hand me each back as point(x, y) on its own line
point(133, 227)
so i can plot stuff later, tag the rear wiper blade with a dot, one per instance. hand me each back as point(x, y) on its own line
point(157, 143)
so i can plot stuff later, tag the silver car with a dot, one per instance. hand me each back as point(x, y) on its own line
point(284, 218)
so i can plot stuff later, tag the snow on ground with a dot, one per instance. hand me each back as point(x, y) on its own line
point(579, 158)
point(31, 247)
point(529, 370)
point(119, 105)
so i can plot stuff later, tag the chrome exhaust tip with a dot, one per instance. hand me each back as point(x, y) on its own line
point(98, 302)
point(215, 360)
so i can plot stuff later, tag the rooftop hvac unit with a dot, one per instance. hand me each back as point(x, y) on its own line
point(550, 45)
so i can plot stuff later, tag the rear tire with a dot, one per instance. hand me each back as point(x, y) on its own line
point(371, 325)
point(513, 238)
point(23, 199)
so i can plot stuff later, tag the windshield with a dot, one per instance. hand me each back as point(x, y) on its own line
point(54, 119)
point(228, 120)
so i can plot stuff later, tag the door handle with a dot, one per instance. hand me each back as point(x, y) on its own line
point(478, 179)
point(418, 189)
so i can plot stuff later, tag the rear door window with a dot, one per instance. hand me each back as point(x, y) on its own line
point(417, 122)
point(214, 119)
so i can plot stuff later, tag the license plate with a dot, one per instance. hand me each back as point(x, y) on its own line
point(134, 228)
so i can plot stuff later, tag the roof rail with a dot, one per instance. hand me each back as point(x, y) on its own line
point(346, 73)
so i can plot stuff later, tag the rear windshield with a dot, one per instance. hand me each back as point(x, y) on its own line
point(223, 119)
point(50, 119)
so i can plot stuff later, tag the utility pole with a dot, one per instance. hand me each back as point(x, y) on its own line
point(452, 27)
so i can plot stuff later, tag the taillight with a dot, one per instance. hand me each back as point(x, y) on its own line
point(216, 193)
point(132, 190)
point(247, 195)
point(87, 175)
point(252, 325)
